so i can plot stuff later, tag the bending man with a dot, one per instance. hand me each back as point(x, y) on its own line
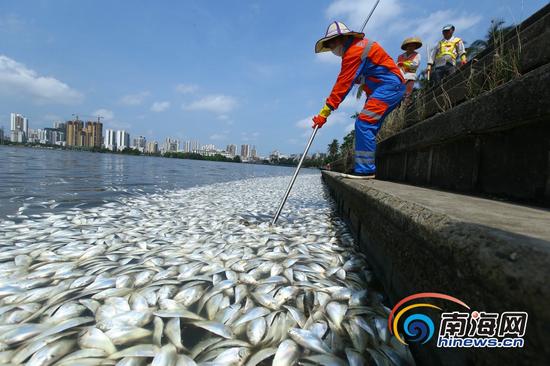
point(366, 63)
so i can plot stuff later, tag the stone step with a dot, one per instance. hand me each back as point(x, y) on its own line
point(493, 255)
point(496, 144)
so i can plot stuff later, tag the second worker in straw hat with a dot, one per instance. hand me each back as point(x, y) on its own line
point(408, 62)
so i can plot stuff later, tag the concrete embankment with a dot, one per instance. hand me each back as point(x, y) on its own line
point(476, 134)
point(493, 255)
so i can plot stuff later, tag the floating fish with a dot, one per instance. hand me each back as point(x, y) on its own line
point(187, 277)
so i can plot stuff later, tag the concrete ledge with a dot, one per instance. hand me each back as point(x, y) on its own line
point(495, 256)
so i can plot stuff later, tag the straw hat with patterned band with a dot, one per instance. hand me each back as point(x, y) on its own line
point(411, 40)
point(335, 29)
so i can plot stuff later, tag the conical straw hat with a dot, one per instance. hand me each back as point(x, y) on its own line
point(411, 40)
point(335, 29)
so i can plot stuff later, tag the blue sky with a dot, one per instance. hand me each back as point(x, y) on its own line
point(219, 72)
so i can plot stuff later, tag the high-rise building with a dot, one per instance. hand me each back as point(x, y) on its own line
point(76, 136)
point(122, 140)
point(1, 135)
point(19, 127)
point(245, 151)
point(47, 135)
point(152, 147)
point(59, 125)
point(93, 134)
point(209, 147)
point(253, 153)
point(33, 135)
point(58, 136)
point(231, 150)
point(171, 145)
point(187, 146)
point(195, 146)
point(139, 143)
point(110, 139)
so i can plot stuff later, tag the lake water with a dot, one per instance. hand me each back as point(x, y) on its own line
point(37, 180)
point(130, 248)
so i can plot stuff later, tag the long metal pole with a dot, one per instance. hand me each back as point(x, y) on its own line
point(370, 14)
point(309, 143)
point(294, 176)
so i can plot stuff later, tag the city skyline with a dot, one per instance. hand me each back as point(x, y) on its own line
point(211, 71)
point(90, 134)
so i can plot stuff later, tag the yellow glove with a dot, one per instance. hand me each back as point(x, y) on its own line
point(407, 64)
point(325, 111)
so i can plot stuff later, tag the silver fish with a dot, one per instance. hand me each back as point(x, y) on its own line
point(140, 350)
point(255, 330)
point(50, 353)
point(308, 340)
point(287, 353)
point(127, 334)
point(167, 356)
point(94, 338)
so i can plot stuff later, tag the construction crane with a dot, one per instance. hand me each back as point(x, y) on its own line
point(99, 118)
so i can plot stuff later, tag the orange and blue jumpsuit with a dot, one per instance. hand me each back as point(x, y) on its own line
point(365, 62)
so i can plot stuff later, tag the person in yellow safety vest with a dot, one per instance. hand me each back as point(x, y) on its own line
point(408, 62)
point(445, 55)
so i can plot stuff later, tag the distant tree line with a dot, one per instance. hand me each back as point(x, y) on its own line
point(195, 156)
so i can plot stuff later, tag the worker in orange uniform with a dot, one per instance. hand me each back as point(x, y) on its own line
point(366, 63)
point(408, 62)
point(445, 55)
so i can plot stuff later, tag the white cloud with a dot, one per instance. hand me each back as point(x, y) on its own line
point(393, 18)
point(223, 117)
point(16, 79)
point(160, 106)
point(118, 125)
point(134, 99)
point(336, 118)
point(429, 27)
point(305, 122)
point(328, 58)
point(218, 137)
point(186, 88)
point(105, 113)
point(354, 12)
point(213, 103)
point(351, 103)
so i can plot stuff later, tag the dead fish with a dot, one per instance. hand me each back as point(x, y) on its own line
point(92, 337)
point(287, 353)
point(307, 339)
point(127, 334)
point(255, 330)
point(167, 356)
point(50, 353)
point(140, 350)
